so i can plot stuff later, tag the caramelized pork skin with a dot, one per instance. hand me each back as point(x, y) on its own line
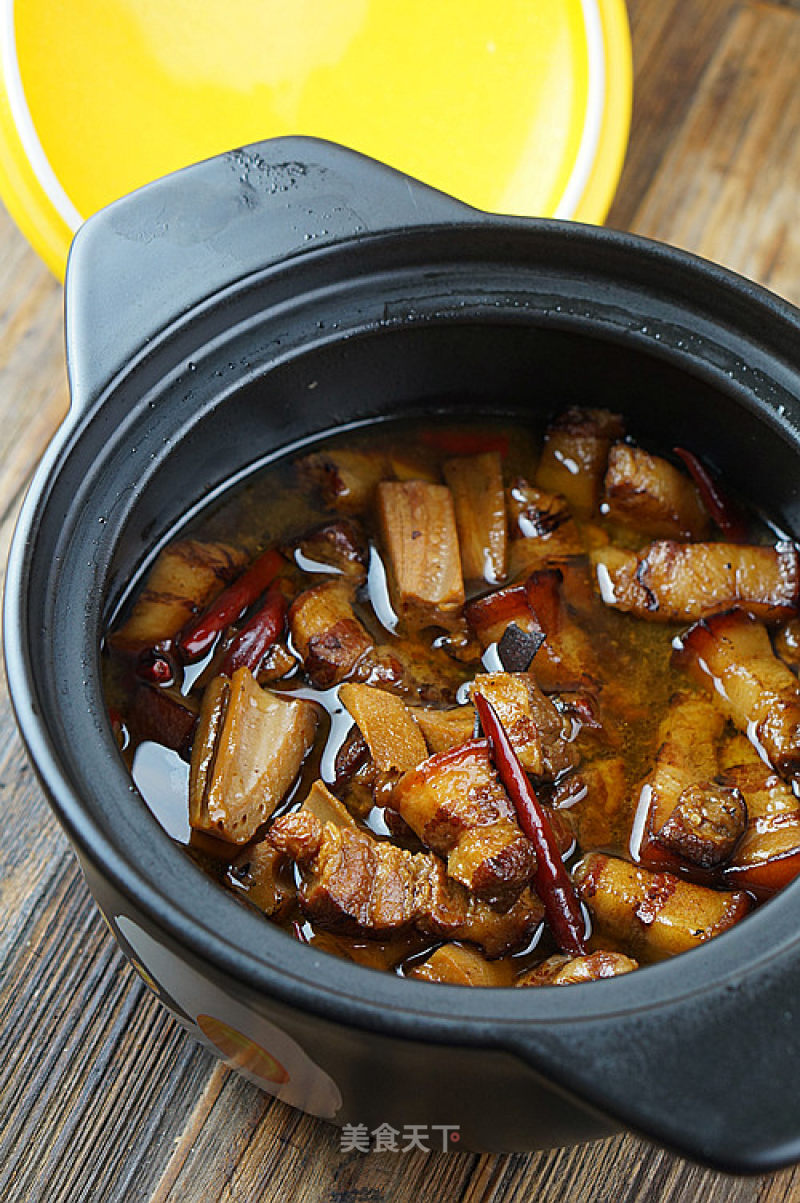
point(562, 657)
point(767, 857)
point(652, 496)
point(326, 633)
point(652, 915)
point(339, 546)
point(490, 615)
point(575, 455)
point(358, 885)
point(682, 582)
point(687, 742)
point(731, 655)
point(455, 804)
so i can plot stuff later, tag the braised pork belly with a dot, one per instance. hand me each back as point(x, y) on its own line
point(681, 582)
point(472, 706)
point(649, 494)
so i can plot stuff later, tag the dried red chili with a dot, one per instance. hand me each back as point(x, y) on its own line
point(155, 668)
point(199, 636)
point(720, 507)
point(256, 637)
point(553, 885)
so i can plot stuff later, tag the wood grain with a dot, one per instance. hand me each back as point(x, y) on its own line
point(102, 1096)
point(727, 184)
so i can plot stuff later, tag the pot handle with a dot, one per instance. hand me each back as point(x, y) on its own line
point(147, 259)
point(713, 1075)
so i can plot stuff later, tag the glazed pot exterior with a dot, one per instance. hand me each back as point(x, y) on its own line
point(460, 1098)
point(237, 310)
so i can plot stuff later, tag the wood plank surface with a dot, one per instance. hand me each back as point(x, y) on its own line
point(102, 1096)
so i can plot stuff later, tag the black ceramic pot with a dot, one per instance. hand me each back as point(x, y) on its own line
point(237, 308)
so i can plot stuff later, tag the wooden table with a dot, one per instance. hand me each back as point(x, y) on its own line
point(102, 1096)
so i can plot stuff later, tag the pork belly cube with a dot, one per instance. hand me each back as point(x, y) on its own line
point(566, 659)
point(564, 970)
point(419, 536)
point(731, 655)
point(594, 801)
point(298, 834)
point(346, 478)
point(249, 747)
point(498, 932)
point(575, 455)
point(708, 821)
point(445, 729)
point(652, 915)
point(326, 633)
point(689, 818)
point(338, 547)
point(681, 582)
point(543, 529)
point(455, 804)
point(415, 670)
point(476, 485)
point(185, 577)
point(558, 651)
point(511, 694)
point(460, 965)
point(393, 737)
point(534, 725)
point(767, 857)
point(354, 884)
point(687, 740)
point(648, 493)
point(490, 616)
point(558, 754)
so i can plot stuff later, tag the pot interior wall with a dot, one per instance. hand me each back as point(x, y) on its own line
point(458, 369)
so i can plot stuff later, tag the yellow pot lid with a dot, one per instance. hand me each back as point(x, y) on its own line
point(518, 107)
